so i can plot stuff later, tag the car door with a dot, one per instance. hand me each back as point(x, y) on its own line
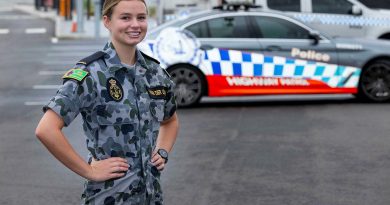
point(290, 51)
point(228, 42)
point(280, 36)
point(335, 17)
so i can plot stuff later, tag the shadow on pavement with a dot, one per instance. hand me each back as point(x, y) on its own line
point(290, 102)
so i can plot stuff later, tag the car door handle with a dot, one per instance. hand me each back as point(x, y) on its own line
point(273, 48)
point(206, 47)
point(356, 26)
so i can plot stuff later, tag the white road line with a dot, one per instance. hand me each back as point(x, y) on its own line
point(69, 54)
point(6, 9)
point(51, 72)
point(59, 62)
point(46, 87)
point(86, 48)
point(34, 103)
point(54, 40)
point(4, 31)
point(35, 30)
point(16, 17)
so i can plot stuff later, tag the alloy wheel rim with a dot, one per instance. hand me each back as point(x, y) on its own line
point(188, 86)
point(376, 81)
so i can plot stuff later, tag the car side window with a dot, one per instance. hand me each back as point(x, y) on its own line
point(200, 29)
point(285, 5)
point(332, 6)
point(272, 27)
point(223, 27)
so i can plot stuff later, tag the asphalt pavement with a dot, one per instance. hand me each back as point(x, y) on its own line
point(259, 150)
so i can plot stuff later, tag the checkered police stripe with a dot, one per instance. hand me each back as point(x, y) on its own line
point(343, 20)
point(236, 63)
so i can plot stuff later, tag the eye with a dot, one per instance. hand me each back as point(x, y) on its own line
point(126, 18)
point(142, 18)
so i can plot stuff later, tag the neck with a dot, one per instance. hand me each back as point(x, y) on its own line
point(126, 53)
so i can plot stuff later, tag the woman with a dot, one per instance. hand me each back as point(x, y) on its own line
point(128, 109)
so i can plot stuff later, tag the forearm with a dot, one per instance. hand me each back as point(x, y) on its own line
point(59, 146)
point(168, 133)
point(49, 132)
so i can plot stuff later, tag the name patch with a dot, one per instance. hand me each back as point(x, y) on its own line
point(159, 92)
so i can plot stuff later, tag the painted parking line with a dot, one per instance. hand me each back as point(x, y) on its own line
point(88, 48)
point(4, 31)
point(6, 9)
point(54, 40)
point(46, 87)
point(59, 62)
point(32, 103)
point(16, 17)
point(51, 72)
point(35, 30)
point(69, 54)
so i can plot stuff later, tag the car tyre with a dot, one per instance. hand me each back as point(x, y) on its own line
point(374, 83)
point(190, 84)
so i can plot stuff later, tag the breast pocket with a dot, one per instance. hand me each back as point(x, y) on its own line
point(117, 132)
point(157, 109)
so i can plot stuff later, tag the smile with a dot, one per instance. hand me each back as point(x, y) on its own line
point(134, 33)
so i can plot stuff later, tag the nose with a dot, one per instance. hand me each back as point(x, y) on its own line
point(134, 23)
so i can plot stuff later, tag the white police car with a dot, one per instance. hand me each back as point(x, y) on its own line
point(349, 18)
point(233, 53)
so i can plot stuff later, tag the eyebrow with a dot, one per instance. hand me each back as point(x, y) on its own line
point(122, 14)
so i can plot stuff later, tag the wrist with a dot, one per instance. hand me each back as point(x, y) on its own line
point(163, 153)
point(88, 174)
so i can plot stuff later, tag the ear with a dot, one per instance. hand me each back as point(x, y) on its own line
point(107, 22)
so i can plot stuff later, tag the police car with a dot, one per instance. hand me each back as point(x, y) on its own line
point(248, 52)
point(336, 17)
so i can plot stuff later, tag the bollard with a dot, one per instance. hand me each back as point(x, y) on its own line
point(73, 28)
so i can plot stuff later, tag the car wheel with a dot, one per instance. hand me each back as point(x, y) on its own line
point(190, 84)
point(374, 84)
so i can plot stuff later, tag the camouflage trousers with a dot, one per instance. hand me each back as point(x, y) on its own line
point(128, 190)
point(138, 199)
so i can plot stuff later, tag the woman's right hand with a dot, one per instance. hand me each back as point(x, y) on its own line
point(106, 169)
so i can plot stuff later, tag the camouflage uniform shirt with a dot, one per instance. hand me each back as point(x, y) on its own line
point(122, 107)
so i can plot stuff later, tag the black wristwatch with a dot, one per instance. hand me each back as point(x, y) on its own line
point(164, 154)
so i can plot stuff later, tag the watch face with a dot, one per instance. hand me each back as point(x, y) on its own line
point(163, 153)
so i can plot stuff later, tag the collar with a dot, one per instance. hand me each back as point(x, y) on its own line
point(114, 63)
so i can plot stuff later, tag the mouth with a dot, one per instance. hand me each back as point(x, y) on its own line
point(134, 34)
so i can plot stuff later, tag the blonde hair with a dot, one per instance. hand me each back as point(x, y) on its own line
point(109, 6)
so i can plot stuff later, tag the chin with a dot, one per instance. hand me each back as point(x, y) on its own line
point(133, 41)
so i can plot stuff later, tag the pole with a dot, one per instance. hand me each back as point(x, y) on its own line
point(97, 18)
point(37, 5)
point(160, 11)
point(88, 8)
point(80, 16)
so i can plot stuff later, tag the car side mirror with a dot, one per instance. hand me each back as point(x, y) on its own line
point(206, 47)
point(356, 10)
point(315, 35)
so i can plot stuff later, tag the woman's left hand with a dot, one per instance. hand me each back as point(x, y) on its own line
point(158, 161)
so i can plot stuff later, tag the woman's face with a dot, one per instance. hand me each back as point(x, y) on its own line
point(128, 23)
